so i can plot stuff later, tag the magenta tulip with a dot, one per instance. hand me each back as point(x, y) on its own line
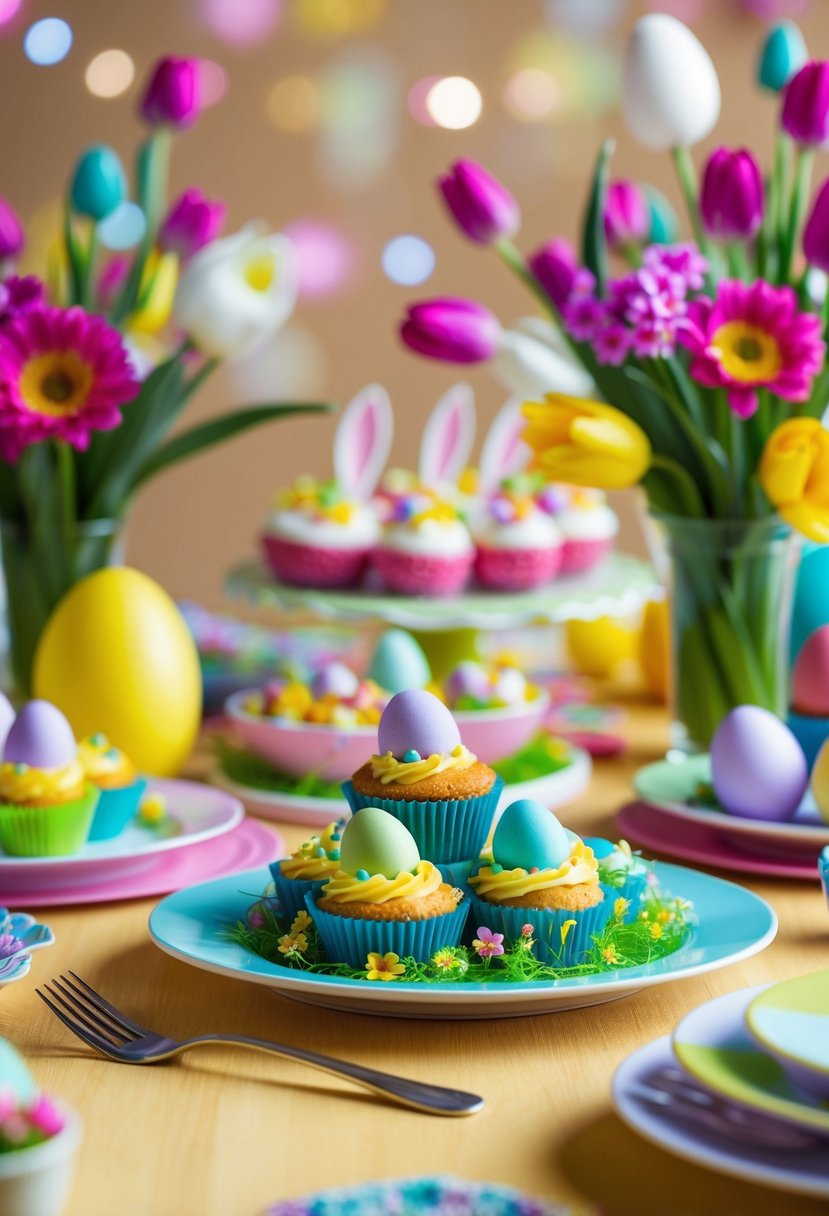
point(483, 208)
point(816, 232)
point(456, 331)
point(731, 198)
point(555, 266)
point(806, 105)
point(172, 96)
point(627, 216)
point(12, 239)
point(192, 222)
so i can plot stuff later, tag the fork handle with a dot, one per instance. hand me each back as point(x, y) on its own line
point(431, 1099)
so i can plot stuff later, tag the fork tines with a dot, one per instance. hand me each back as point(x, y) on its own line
point(85, 1012)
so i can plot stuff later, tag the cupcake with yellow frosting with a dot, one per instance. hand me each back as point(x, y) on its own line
point(543, 876)
point(424, 776)
point(305, 871)
point(384, 897)
point(46, 803)
point(112, 771)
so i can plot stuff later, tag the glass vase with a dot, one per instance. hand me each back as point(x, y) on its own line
point(40, 566)
point(730, 592)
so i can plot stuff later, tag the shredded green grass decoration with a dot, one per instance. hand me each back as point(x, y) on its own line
point(660, 928)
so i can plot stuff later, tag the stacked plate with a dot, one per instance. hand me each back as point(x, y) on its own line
point(670, 818)
point(742, 1086)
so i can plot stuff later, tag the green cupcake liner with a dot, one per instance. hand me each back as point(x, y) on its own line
point(292, 891)
point(47, 831)
point(451, 830)
point(547, 927)
point(346, 939)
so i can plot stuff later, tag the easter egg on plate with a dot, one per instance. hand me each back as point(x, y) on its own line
point(374, 842)
point(117, 657)
point(398, 662)
point(810, 608)
point(528, 835)
point(820, 781)
point(41, 737)
point(415, 720)
point(810, 676)
point(335, 679)
point(758, 768)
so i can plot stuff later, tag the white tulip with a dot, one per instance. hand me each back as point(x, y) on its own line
point(533, 358)
point(237, 292)
point(670, 90)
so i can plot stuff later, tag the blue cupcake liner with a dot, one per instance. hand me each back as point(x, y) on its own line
point(347, 939)
point(291, 892)
point(547, 926)
point(115, 809)
point(811, 733)
point(456, 873)
point(452, 830)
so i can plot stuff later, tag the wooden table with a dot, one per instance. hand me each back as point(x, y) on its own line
point(225, 1132)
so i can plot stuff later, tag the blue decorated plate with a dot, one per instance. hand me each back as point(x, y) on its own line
point(20, 934)
point(732, 925)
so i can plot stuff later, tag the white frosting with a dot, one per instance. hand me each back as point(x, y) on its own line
point(534, 531)
point(437, 538)
point(359, 532)
point(588, 523)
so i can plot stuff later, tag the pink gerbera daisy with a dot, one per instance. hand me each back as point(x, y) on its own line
point(63, 374)
point(752, 336)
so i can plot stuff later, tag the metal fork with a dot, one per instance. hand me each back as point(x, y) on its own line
point(85, 1012)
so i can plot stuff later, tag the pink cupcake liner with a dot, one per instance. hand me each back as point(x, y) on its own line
point(422, 574)
point(582, 554)
point(517, 569)
point(314, 565)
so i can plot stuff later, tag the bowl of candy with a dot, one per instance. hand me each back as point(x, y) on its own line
point(497, 709)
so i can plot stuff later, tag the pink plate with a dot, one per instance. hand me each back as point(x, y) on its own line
point(649, 826)
point(249, 844)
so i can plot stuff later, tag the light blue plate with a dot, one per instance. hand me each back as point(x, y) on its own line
point(733, 925)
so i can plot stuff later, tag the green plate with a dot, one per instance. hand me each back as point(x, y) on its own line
point(791, 1020)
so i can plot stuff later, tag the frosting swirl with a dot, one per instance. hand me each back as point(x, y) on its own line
point(20, 783)
point(498, 885)
point(377, 889)
point(103, 763)
point(408, 772)
point(316, 858)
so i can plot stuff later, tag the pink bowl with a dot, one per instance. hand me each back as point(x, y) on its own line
point(494, 734)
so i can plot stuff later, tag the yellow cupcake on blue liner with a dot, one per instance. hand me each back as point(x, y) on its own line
point(384, 898)
point(307, 870)
point(121, 789)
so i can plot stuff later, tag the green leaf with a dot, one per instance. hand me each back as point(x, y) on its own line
point(217, 430)
point(593, 241)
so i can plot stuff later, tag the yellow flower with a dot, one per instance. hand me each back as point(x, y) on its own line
point(384, 966)
point(794, 472)
point(565, 930)
point(656, 931)
point(610, 955)
point(156, 294)
point(620, 907)
point(301, 922)
point(292, 943)
point(585, 443)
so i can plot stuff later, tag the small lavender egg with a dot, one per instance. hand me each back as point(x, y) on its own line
point(41, 737)
point(469, 679)
point(527, 835)
point(335, 679)
point(416, 720)
point(758, 768)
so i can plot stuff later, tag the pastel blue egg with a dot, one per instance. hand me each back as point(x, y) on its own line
point(784, 53)
point(810, 609)
point(528, 835)
point(601, 848)
point(98, 185)
point(398, 662)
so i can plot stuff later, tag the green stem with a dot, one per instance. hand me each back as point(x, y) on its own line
point(688, 185)
point(797, 211)
point(686, 485)
point(780, 190)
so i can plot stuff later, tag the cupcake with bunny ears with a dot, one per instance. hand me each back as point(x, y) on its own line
point(588, 526)
point(320, 534)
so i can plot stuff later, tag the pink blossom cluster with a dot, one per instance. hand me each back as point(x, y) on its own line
point(22, 1127)
point(643, 312)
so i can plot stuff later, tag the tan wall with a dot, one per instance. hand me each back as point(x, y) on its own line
point(194, 522)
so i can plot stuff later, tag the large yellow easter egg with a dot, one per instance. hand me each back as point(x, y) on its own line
point(597, 647)
point(820, 781)
point(117, 657)
point(655, 649)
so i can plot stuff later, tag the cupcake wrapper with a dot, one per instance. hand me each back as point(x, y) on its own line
point(115, 809)
point(292, 891)
point(456, 873)
point(547, 926)
point(517, 569)
point(347, 939)
point(314, 565)
point(811, 734)
point(422, 574)
point(582, 554)
point(453, 831)
point(632, 890)
point(47, 831)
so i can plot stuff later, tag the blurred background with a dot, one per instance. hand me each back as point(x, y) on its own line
point(330, 120)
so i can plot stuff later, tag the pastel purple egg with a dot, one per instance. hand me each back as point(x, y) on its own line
point(469, 679)
point(335, 679)
point(6, 718)
point(41, 737)
point(415, 720)
point(758, 768)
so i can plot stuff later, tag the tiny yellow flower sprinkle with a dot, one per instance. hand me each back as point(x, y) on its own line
point(656, 931)
point(153, 808)
point(384, 966)
point(301, 922)
point(610, 955)
point(620, 907)
point(565, 930)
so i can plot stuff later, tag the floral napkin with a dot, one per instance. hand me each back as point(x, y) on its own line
point(443, 1196)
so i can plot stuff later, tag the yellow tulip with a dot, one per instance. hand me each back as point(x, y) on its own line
point(794, 472)
point(156, 294)
point(585, 443)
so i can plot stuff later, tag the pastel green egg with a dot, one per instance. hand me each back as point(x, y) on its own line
point(374, 841)
point(398, 662)
point(528, 835)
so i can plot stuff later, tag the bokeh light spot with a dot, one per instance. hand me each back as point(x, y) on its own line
point(110, 73)
point(408, 260)
point(294, 104)
point(48, 41)
point(333, 18)
point(454, 103)
point(9, 9)
point(124, 228)
point(242, 22)
point(325, 257)
point(416, 100)
point(213, 81)
point(531, 94)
